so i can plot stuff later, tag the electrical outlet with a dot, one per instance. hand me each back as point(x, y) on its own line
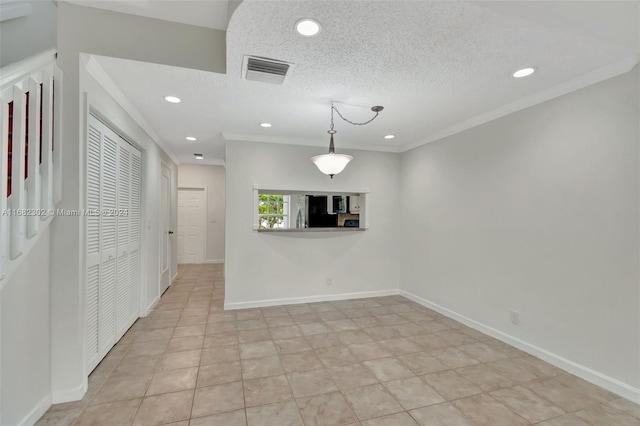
point(329, 281)
point(515, 317)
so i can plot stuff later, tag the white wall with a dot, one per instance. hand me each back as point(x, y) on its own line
point(263, 266)
point(25, 373)
point(23, 37)
point(211, 178)
point(537, 212)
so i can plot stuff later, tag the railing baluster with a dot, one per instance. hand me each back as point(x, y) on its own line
point(46, 167)
point(33, 159)
point(7, 97)
point(17, 200)
point(57, 136)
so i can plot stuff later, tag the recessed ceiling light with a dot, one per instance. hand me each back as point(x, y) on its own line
point(265, 124)
point(198, 156)
point(190, 138)
point(390, 136)
point(172, 99)
point(524, 72)
point(308, 27)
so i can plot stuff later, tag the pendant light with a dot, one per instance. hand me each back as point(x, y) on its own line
point(331, 164)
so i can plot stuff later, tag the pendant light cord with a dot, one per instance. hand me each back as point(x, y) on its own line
point(333, 107)
point(332, 131)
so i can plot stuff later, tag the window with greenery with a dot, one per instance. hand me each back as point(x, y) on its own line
point(273, 211)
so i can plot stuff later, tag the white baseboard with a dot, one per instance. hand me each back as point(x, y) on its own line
point(174, 278)
point(69, 395)
point(37, 412)
point(308, 299)
point(152, 305)
point(205, 262)
point(614, 385)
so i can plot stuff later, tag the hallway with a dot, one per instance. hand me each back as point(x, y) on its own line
point(382, 361)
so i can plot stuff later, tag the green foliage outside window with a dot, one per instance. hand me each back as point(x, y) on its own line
point(271, 211)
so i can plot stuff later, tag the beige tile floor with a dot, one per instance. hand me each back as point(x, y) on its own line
point(372, 362)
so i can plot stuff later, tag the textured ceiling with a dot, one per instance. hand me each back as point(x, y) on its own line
point(431, 64)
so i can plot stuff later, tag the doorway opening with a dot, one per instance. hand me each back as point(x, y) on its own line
point(201, 214)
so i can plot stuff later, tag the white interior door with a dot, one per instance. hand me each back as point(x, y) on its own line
point(135, 241)
point(93, 241)
point(165, 214)
point(109, 233)
point(123, 239)
point(192, 212)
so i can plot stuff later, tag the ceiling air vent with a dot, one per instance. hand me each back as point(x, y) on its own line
point(265, 70)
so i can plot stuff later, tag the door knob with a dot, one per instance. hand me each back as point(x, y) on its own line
point(170, 232)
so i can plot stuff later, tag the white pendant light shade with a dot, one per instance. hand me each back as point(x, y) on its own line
point(331, 164)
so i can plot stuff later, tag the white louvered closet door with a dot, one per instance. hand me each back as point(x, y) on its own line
point(122, 217)
point(135, 234)
point(113, 238)
point(109, 234)
point(93, 240)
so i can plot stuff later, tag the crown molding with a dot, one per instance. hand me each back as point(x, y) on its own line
point(228, 137)
point(600, 74)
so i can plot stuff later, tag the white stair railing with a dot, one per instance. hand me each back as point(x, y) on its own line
point(30, 155)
